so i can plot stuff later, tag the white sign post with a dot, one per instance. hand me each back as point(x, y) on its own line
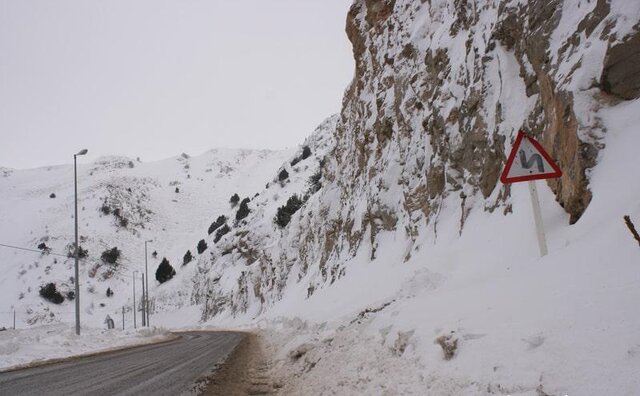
point(528, 161)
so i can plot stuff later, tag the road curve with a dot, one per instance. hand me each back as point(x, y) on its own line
point(169, 368)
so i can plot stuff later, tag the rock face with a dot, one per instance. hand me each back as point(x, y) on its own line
point(440, 90)
point(621, 74)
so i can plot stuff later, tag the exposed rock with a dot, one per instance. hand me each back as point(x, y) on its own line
point(621, 74)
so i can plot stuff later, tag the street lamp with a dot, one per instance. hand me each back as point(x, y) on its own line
point(77, 249)
point(146, 272)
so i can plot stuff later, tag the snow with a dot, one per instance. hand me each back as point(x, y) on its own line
point(364, 318)
point(39, 344)
point(145, 193)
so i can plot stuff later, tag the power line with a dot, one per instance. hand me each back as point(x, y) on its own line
point(33, 250)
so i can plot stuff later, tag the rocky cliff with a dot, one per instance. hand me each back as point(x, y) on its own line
point(439, 92)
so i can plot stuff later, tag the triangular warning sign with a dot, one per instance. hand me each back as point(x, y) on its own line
point(528, 161)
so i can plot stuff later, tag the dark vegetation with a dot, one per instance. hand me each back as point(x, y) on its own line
point(165, 271)
point(306, 153)
point(154, 254)
point(221, 232)
point(109, 292)
point(243, 210)
point(284, 213)
point(121, 220)
point(50, 293)
point(82, 252)
point(235, 198)
point(217, 224)
point(202, 246)
point(52, 195)
point(188, 257)
point(111, 256)
point(314, 182)
point(283, 175)
point(45, 249)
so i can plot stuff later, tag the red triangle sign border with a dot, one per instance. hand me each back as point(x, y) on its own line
point(504, 177)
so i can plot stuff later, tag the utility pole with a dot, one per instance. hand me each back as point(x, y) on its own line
point(134, 299)
point(14, 319)
point(77, 250)
point(144, 316)
point(146, 271)
point(123, 317)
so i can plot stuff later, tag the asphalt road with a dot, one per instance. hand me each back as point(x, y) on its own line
point(170, 368)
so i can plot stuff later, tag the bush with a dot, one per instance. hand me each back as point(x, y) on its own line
point(71, 295)
point(314, 182)
point(105, 209)
point(284, 213)
point(187, 258)
point(202, 246)
point(122, 221)
point(51, 294)
point(154, 254)
point(52, 195)
point(243, 210)
point(306, 152)
point(217, 224)
point(221, 232)
point(43, 246)
point(82, 253)
point(235, 198)
point(109, 292)
point(177, 190)
point(111, 256)
point(165, 271)
point(295, 161)
point(283, 175)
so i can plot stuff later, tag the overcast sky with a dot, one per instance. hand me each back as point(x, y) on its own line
point(155, 78)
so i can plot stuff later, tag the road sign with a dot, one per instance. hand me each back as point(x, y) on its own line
point(528, 161)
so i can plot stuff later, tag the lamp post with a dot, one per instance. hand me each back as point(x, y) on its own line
point(146, 271)
point(77, 247)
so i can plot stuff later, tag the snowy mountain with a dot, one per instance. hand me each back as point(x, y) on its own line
point(384, 256)
point(122, 203)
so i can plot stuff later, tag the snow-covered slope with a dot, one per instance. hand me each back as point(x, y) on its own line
point(122, 203)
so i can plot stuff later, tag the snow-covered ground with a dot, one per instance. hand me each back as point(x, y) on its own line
point(566, 323)
point(44, 343)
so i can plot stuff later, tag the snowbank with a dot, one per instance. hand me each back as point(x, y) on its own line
point(43, 343)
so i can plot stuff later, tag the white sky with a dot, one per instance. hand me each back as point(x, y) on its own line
point(155, 78)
